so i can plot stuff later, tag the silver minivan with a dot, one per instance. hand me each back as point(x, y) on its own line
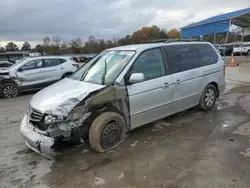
point(121, 89)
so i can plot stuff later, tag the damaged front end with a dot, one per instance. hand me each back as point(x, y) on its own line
point(36, 139)
point(41, 131)
point(73, 118)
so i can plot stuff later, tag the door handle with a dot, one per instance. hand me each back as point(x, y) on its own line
point(178, 81)
point(165, 85)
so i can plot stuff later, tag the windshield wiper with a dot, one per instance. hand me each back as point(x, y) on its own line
point(104, 72)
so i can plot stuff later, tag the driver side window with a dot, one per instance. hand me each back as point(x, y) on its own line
point(151, 64)
point(35, 64)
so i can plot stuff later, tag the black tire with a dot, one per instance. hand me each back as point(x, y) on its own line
point(9, 90)
point(66, 75)
point(208, 97)
point(248, 52)
point(107, 131)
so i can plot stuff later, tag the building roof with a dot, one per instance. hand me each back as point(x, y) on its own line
point(240, 18)
point(15, 53)
point(217, 24)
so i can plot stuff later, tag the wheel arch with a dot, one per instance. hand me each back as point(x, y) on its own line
point(95, 112)
point(5, 81)
point(216, 86)
point(66, 74)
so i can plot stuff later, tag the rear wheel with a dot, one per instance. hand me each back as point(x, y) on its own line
point(9, 90)
point(107, 131)
point(208, 97)
point(248, 52)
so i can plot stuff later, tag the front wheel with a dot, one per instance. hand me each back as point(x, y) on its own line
point(107, 131)
point(248, 52)
point(208, 97)
point(9, 90)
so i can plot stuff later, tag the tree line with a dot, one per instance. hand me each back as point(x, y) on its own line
point(56, 45)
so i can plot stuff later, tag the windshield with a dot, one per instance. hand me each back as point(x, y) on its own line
point(104, 68)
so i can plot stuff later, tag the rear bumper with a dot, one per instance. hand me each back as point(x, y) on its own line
point(222, 88)
point(37, 142)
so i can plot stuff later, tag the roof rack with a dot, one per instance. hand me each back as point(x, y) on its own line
point(157, 41)
point(184, 40)
point(174, 40)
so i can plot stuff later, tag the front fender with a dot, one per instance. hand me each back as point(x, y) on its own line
point(8, 79)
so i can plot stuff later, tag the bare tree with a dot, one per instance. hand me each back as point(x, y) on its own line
point(76, 45)
point(65, 44)
point(92, 39)
point(237, 30)
point(57, 40)
point(76, 42)
point(46, 41)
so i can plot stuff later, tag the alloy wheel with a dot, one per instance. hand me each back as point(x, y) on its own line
point(209, 97)
point(10, 91)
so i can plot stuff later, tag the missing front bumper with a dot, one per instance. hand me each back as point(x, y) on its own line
point(37, 142)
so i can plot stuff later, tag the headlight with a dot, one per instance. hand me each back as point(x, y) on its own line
point(53, 119)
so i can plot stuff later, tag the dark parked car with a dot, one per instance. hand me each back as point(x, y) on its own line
point(228, 49)
point(5, 64)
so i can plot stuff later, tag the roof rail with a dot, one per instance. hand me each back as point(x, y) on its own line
point(183, 40)
point(193, 39)
point(173, 40)
point(157, 41)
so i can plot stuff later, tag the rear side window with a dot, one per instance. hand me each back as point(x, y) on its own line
point(63, 60)
point(181, 58)
point(207, 54)
point(52, 62)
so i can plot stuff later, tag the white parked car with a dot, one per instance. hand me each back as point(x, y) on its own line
point(34, 73)
point(244, 49)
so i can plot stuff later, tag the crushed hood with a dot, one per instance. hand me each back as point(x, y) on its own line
point(61, 97)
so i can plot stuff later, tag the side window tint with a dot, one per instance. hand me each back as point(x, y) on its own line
point(207, 54)
point(36, 64)
point(181, 58)
point(63, 60)
point(51, 62)
point(150, 63)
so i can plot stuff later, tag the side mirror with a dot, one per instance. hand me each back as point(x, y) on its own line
point(136, 78)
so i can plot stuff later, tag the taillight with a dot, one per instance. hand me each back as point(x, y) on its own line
point(224, 71)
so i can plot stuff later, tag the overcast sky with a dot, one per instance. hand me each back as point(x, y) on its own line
point(31, 20)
